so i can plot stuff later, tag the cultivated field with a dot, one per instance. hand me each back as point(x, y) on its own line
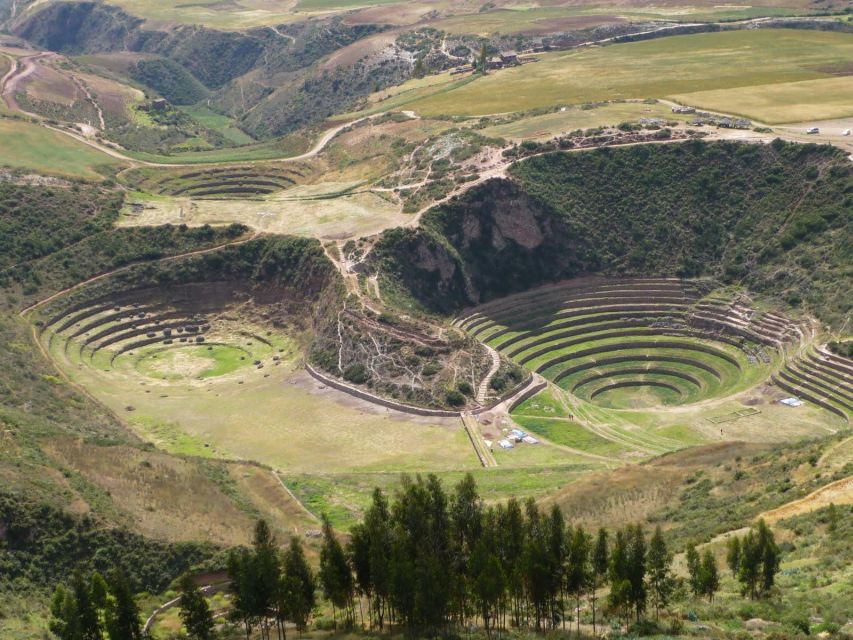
point(456, 16)
point(780, 103)
point(549, 125)
point(652, 69)
point(36, 148)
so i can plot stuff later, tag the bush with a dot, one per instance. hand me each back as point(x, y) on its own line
point(799, 622)
point(356, 373)
point(466, 388)
point(455, 399)
point(430, 369)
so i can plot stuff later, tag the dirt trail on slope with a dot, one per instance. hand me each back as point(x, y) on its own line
point(838, 492)
point(22, 68)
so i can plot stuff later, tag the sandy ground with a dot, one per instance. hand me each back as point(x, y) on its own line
point(338, 218)
point(831, 132)
point(839, 492)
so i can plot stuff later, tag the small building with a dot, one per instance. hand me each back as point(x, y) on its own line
point(509, 59)
point(683, 109)
point(495, 62)
point(734, 123)
point(159, 104)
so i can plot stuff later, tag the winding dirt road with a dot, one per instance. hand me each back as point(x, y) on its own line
point(22, 68)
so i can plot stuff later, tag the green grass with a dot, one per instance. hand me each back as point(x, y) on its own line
point(344, 496)
point(286, 147)
point(543, 404)
point(221, 359)
point(36, 148)
point(656, 68)
point(638, 397)
point(569, 434)
point(217, 122)
point(822, 99)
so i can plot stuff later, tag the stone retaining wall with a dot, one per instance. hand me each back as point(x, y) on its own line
point(364, 395)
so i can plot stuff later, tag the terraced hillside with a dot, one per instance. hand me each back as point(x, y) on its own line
point(187, 334)
point(235, 182)
point(652, 335)
point(820, 377)
point(654, 364)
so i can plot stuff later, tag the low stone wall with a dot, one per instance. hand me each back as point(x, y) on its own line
point(802, 393)
point(526, 395)
point(423, 411)
point(640, 344)
point(364, 395)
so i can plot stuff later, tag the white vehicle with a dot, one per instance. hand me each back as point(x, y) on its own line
point(846, 132)
point(813, 130)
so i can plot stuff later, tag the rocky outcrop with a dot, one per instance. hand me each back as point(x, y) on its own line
point(492, 242)
point(771, 218)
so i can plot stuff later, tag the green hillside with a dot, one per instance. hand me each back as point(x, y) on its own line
point(775, 218)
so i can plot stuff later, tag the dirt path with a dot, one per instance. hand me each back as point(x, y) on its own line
point(838, 492)
point(275, 30)
point(483, 389)
point(82, 86)
point(25, 66)
point(13, 69)
point(829, 452)
point(80, 285)
point(472, 428)
point(207, 590)
point(294, 498)
point(350, 276)
point(600, 430)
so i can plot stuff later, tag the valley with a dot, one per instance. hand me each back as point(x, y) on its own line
point(343, 273)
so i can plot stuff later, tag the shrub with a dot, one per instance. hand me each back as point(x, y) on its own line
point(498, 383)
point(430, 369)
point(356, 373)
point(455, 399)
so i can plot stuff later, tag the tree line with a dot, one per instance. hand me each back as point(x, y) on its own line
point(430, 562)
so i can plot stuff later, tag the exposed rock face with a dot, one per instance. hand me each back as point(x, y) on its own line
point(774, 219)
point(492, 242)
